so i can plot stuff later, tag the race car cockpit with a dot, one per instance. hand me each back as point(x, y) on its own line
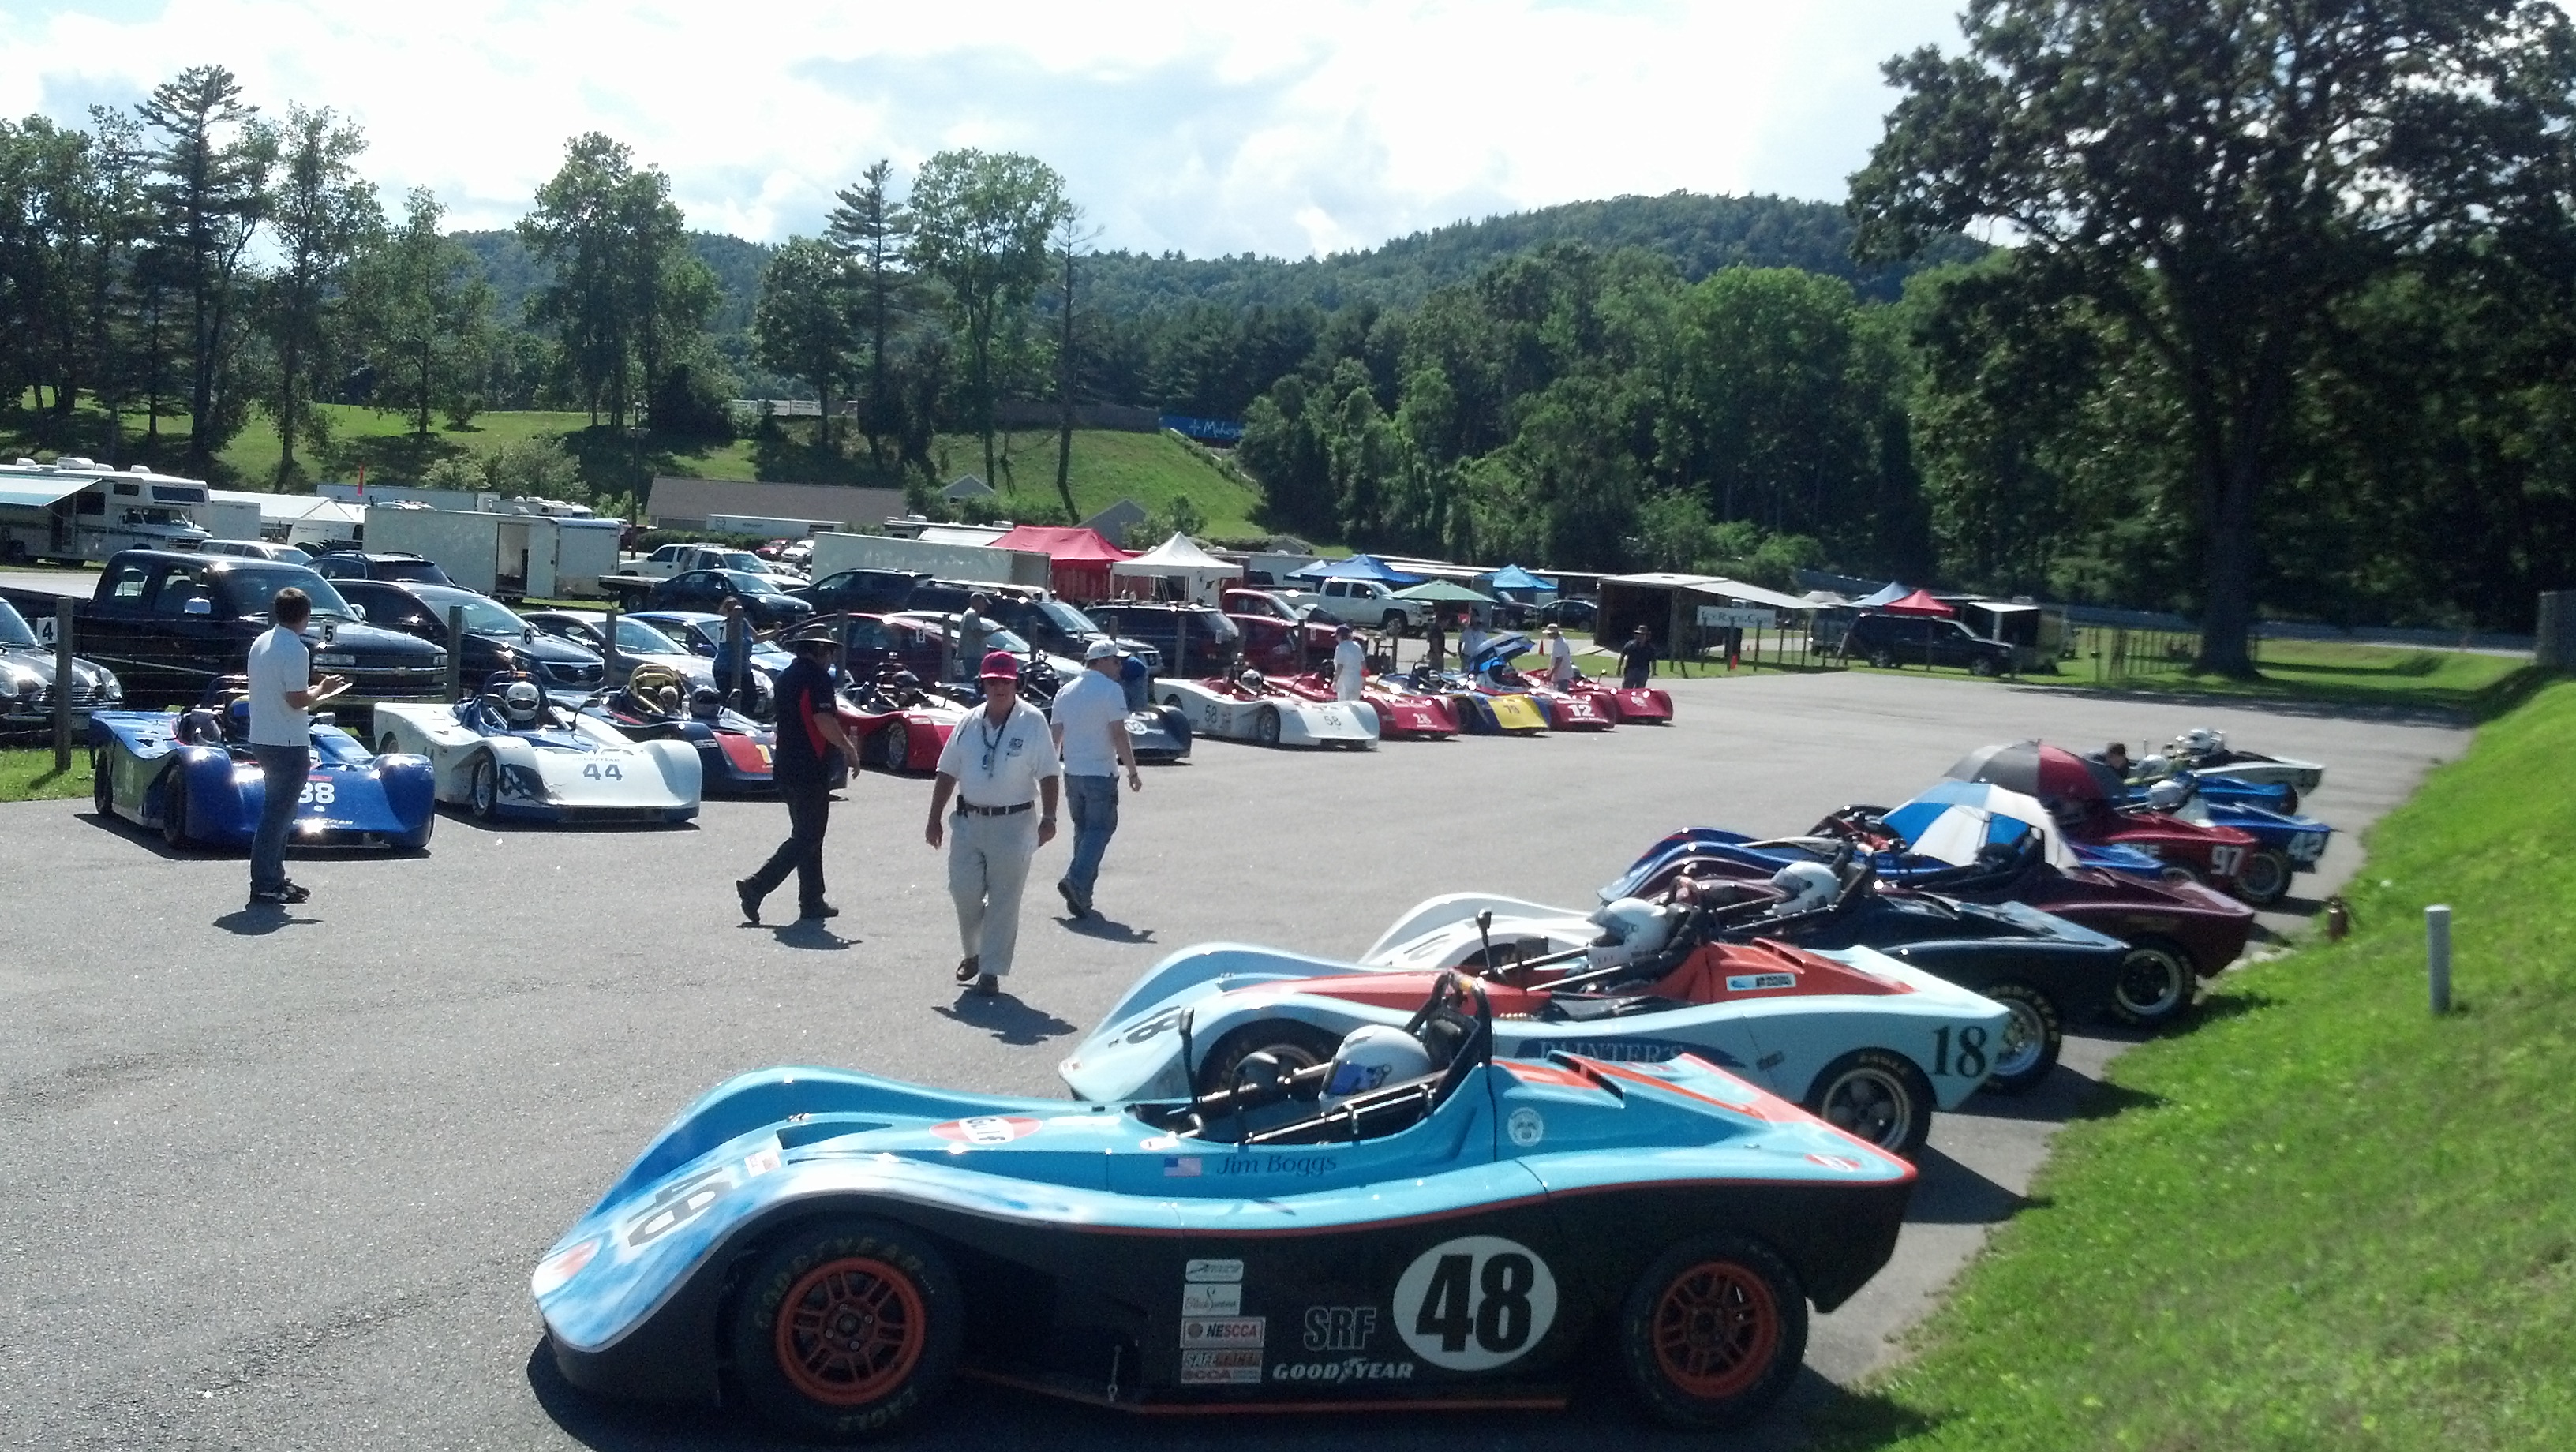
point(1379, 1081)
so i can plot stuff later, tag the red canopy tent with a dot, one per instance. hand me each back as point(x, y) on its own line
point(1918, 603)
point(1082, 558)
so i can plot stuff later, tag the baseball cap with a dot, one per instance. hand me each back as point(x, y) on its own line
point(1101, 649)
point(1001, 665)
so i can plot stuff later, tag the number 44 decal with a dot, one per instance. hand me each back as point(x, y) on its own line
point(598, 770)
point(1474, 1303)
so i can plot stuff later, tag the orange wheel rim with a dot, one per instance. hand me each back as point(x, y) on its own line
point(850, 1331)
point(1716, 1329)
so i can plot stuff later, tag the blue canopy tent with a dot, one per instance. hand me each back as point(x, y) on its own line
point(1513, 577)
point(1888, 594)
point(1357, 567)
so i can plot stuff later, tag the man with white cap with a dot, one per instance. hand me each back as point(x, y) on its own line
point(1091, 732)
point(1350, 665)
point(1000, 765)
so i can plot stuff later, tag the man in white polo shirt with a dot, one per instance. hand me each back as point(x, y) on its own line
point(282, 692)
point(1000, 765)
point(1091, 731)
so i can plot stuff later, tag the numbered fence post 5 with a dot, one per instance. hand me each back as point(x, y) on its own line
point(2437, 954)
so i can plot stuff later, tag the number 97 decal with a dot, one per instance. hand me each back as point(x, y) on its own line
point(1475, 1303)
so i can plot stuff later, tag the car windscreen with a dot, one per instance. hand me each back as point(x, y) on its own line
point(1065, 618)
point(253, 585)
point(14, 633)
point(746, 562)
point(643, 639)
point(482, 616)
point(750, 583)
point(417, 572)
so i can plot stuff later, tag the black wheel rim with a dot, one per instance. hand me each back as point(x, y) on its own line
point(2265, 877)
point(2152, 983)
point(1870, 1104)
point(2025, 1040)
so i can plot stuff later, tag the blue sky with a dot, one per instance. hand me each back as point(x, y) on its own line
point(1284, 129)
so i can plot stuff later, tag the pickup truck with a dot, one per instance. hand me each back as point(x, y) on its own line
point(1362, 605)
point(170, 623)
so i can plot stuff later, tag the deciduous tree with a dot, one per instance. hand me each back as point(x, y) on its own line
point(980, 225)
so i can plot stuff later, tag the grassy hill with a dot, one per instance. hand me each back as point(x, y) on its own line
point(2326, 1218)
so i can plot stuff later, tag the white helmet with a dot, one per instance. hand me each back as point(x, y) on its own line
point(2168, 796)
point(521, 702)
point(1639, 926)
point(1805, 886)
point(1373, 1057)
point(1251, 680)
point(2201, 741)
point(2153, 768)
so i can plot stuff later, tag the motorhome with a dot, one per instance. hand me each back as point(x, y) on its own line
point(80, 511)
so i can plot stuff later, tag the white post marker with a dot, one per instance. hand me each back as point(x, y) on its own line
point(2437, 953)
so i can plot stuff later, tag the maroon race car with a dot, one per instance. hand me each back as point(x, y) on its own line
point(1400, 715)
point(1626, 705)
point(2086, 799)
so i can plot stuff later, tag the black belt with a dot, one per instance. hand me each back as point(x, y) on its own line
point(969, 809)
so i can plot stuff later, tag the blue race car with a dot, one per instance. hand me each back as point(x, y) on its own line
point(2284, 843)
point(1410, 1223)
point(191, 776)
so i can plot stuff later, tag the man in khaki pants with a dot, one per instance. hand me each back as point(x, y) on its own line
point(999, 764)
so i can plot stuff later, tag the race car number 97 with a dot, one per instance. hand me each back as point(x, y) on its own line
point(2225, 860)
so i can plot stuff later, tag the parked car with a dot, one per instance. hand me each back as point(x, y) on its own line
point(638, 643)
point(503, 753)
point(27, 679)
point(389, 565)
point(1210, 638)
point(763, 598)
point(1364, 605)
point(1903, 640)
point(256, 549)
point(866, 592)
point(1570, 611)
point(496, 639)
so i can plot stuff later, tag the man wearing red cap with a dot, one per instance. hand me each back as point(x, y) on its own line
point(1000, 765)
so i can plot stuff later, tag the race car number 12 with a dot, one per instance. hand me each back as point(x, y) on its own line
point(1475, 1303)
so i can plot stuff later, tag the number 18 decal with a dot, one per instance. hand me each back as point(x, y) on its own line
point(1475, 1303)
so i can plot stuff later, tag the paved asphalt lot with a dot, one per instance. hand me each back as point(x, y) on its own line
point(277, 1180)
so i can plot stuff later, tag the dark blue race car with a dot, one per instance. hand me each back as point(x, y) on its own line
point(191, 776)
point(828, 1248)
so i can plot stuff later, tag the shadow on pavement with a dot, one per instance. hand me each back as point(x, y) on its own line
point(1949, 1193)
point(261, 919)
point(810, 934)
point(1108, 930)
point(970, 1414)
point(1004, 1017)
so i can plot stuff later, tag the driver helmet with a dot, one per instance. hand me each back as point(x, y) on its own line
point(1805, 886)
point(2168, 796)
point(1633, 923)
point(906, 681)
point(237, 719)
point(1372, 1057)
point(2152, 768)
point(1251, 680)
point(521, 702)
point(2200, 741)
point(706, 701)
point(667, 700)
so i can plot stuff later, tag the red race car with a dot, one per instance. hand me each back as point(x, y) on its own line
point(1400, 714)
point(1626, 705)
point(2085, 797)
point(899, 726)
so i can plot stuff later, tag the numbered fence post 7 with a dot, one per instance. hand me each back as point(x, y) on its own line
point(63, 680)
point(2437, 954)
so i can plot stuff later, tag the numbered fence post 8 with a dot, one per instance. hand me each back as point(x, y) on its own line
point(63, 682)
point(455, 653)
point(608, 680)
point(2437, 954)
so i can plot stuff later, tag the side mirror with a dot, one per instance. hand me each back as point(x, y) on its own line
point(357, 611)
point(198, 605)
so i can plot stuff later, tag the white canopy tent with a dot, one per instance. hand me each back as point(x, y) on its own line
point(1201, 574)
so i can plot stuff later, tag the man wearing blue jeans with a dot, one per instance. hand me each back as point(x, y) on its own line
point(1091, 734)
point(282, 692)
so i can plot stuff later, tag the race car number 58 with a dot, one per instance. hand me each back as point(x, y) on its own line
point(1475, 1303)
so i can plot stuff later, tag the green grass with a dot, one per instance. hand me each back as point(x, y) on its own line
point(27, 774)
point(2325, 1218)
point(2327, 670)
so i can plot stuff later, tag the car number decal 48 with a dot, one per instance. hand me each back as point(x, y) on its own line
point(1475, 1303)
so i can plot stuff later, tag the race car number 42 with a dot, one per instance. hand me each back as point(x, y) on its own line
point(1475, 1303)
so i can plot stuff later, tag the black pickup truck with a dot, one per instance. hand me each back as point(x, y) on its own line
point(169, 622)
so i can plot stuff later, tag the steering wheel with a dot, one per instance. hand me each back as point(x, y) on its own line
point(1861, 824)
point(1448, 991)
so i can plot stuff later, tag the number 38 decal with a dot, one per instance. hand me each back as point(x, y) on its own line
point(319, 793)
point(1475, 1303)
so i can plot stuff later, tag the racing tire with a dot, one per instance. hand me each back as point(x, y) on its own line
point(1265, 727)
point(1883, 659)
point(2154, 986)
point(844, 1327)
point(386, 745)
point(1984, 666)
point(174, 809)
point(1713, 1333)
point(1177, 722)
point(894, 748)
point(1299, 1045)
point(483, 787)
point(2289, 804)
point(102, 795)
point(2264, 879)
point(2031, 1038)
point(1878, 1096)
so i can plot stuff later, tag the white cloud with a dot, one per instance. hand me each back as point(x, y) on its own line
point(1279, 128)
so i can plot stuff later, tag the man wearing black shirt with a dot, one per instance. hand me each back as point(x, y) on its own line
point(809, 730)
point(1637, 659)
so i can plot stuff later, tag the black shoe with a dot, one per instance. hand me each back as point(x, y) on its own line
point(1073, 900)
point(750, 899)
point(987, 985)
point(275, 896)
point(811, 913)
point(295, 892)
point(967, 968)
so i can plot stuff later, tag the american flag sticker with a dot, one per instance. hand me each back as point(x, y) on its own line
point(1180, 1167)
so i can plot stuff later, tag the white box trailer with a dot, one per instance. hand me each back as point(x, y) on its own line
point(229, 514)
point(835, 551)
point(516, 556)
point(766, 526)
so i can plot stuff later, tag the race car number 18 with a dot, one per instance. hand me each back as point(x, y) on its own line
point(1475, 1303)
